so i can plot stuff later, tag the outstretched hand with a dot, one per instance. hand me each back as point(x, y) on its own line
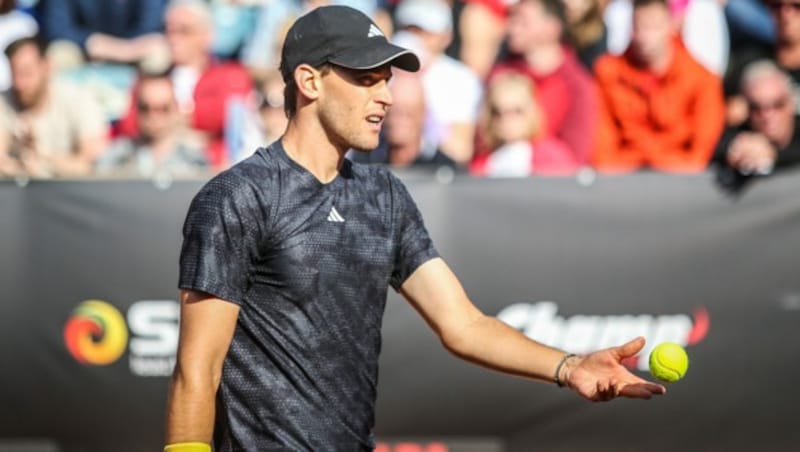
point(600, 376)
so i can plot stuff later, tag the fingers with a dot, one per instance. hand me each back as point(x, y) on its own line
point(644, 390)
point(631, 348)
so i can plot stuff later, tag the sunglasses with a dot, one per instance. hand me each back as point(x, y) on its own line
point(776, 6)
point(145, 108)
point(501, 112)
point(763, 107)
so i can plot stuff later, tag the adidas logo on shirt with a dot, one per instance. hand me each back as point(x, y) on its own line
point(334, 216)
point(374, 31)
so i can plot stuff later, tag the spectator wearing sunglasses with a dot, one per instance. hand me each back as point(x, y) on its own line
point(785, 52)
point(163, 147)
point(769, 140)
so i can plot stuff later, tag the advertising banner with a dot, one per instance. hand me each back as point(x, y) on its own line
point(89, 315)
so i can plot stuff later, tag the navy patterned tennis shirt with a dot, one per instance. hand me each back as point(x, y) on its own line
point(310, 265)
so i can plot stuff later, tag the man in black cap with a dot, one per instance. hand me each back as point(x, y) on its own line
point(286, 263)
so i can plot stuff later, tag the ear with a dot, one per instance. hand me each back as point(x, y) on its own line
point(308, 81)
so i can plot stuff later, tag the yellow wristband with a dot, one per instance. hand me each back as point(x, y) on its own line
point(187, 447)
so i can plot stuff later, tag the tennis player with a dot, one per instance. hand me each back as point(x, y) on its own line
point(286, 263)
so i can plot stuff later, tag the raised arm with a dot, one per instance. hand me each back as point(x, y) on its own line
point(206, 329)
point(438, 296)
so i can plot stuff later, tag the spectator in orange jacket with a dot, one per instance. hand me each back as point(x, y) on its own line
point(659, 108)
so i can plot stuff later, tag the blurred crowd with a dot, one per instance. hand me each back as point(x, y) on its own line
point(508, 88)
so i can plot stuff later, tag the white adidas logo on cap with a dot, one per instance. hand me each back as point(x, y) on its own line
point(374, 31)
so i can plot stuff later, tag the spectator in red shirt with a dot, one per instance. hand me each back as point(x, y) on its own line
point(205, 88)
point(564, 87)
point(510, 134)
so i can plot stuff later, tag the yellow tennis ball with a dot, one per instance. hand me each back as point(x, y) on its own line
point(668, 362)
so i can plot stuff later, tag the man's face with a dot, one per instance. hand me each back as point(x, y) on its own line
point(158, 111)
point(529, 26)
point(188, 36)
point(405, 120)
point(29, 75)
point(786, 14)
point(772, 107)
point(352, 105)
point(652, 30)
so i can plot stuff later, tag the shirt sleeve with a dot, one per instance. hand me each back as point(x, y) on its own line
point(414, 246)
point(221, 238)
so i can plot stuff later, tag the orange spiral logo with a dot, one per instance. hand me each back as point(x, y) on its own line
point(96, 333)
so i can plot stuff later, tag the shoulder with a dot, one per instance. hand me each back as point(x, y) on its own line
point(76, 99)
point(609, 65)
point(449, 66)
point(377, 178)
point(574, 73)
point(7, 109)
point(691, 68)
point(369, 173)
point(229, 71)
point(248, 182)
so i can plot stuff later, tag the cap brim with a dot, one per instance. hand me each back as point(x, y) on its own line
point(376, 56)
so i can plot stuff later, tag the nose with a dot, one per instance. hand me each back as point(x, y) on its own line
point(383, 95)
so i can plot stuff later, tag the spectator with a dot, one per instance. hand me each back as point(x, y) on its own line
point(267, 122)
point(510, 134)
point(164, 147)
point(565, 89)
point(659, 107)
point(47, 129)
point(405, 122)
point(205, 88)
point(482, 26)
point(452, 90)
point(701, 24)
point(785, 52)
point(14, 24)
point(587, 29)
point(123, 31)
point(770, 139)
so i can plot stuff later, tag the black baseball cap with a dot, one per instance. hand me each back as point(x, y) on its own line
point(342, 36)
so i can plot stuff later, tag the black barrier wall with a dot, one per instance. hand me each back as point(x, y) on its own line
point(579, 267)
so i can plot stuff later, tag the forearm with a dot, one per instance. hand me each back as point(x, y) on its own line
point(190, 409)
point(459, 143)
point(691, 160)
point(104, 47)
point(493, 344)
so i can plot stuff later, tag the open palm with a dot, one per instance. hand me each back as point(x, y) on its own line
point(600, 376)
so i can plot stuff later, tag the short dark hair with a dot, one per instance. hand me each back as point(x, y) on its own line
point(290, 91)
point(554, 8)
point(35, 41)
point(145, 77)
point(643, 3)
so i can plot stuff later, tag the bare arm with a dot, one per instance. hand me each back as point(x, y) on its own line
point(438, 296)
point(459, 143)
point(206, 330)
point(104, 47)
